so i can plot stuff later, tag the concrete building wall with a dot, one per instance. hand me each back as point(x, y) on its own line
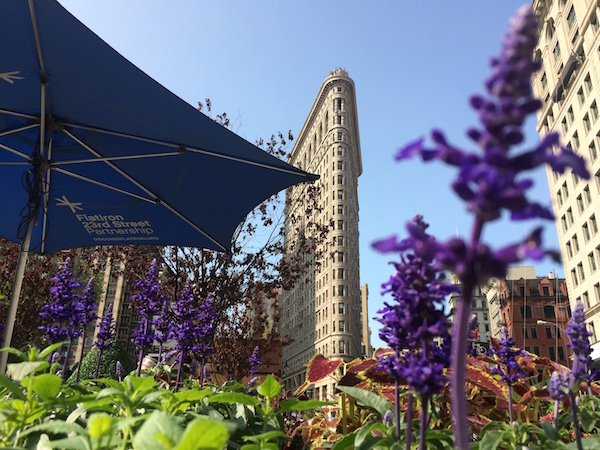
point(569, 85)
point(321, 313)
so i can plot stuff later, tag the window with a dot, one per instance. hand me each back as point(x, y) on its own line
point(571, 114)
point(552, 351)
point(588, 83)
point(575, 144)
point(485, 316)
point(580, 271)
point(575, 179)
point(340, 151)
point(536, 350)
point(586, 232)
point(594, 23)
point(340, 241)
point(592, 261)
point(534, 334)
point(544, 80)
point(563, 220)
point(339, 120)
point(545, 291)
point(574, 277)
point(559, 198)
point(340, 195)
point(341, 291)
point(340, 225)
point(526, 309)
point(593, 151)
point(342, 347)
point(575, 243)
point(593, 224)
point(587, 124)
point(597, 292)
point(569, 249)
point(524, 331)
point(581, 96)
point(340, 165)
point(556, 53)
point(548, 332)
point(340, 308)
point(340, 179)
point(341, 327)
point(565, 190)
point(586, 300)
point(339, 136)
point(340, 274)
point(561, 353)
point(549, 312)
point(565, 126)
point(571, 17)
point(593, 330)
point(570, 216)
point(340, 257)
point(587, 195)
point(594, 109)
point(597, 177)
point(340, 209)
point(580, 204)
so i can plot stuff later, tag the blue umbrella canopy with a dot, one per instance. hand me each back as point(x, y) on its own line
point(96, 152)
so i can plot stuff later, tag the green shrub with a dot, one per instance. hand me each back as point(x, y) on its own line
point(108, 363)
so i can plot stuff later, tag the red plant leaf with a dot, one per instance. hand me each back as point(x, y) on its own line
point(486, 381)
point(320, 367)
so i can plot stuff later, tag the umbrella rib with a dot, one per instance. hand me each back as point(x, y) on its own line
point(16, 114)
point(36, 34)
point(113, 158)
point(16, 130)
point(46, 201)
point(133, 181)
point(192, 149)
point(16, 152)
point(104, 185)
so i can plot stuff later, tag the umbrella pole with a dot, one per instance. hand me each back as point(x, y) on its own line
point(16, 293)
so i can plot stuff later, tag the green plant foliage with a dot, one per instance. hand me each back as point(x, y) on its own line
point(108, 363)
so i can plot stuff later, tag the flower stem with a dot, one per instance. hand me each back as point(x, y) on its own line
point(408, 418)
point(555, 418)
point(457, 379)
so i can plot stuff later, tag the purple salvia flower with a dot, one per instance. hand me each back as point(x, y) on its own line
point(490, 182)
point(417, 317)
point(508, 368)
point(555, 390)
point(62, 312)
point(87, 314)
point(254, 361)
point(148, 300)
point(579, 344)
point(388, 419)
point(163, 325)
point(105, 336)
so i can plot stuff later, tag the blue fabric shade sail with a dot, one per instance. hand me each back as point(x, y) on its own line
point(96, 152)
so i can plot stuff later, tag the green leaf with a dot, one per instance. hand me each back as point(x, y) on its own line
point(12, 387)
point(491, 440)
point(54, 427)
point(346, 442)
point(587, 420)
point(76, 443)
point(549, 430)
point(19, 371)
point(234, 397)
point(205, 435)
point(100, 425)
point(301, 405)
point(45, 353)
point(192, 395)
point(369, 399)
point(47, 386)
point(363, 434)
point(267, 436)
point(160, 431)
point(269, 388)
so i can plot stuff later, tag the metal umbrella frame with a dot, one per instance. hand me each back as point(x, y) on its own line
point(110, 157)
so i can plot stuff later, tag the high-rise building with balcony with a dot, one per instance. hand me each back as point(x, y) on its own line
point(321, 314)
point(568, 83)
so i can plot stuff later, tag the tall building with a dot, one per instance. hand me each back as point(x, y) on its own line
point(321, 314)
point(535, 310)
point(568, 83)
point(480, 309)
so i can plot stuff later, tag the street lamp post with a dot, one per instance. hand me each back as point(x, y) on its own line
point(544, 322)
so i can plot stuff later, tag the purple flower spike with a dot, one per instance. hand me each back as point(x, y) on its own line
point(507, 354)
point(556, 385)
point(105, 336)
point(579, 344)
point(254, 361)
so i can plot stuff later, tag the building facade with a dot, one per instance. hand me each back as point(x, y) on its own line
point(366, 348)
point(321, 314)
point(568, 83)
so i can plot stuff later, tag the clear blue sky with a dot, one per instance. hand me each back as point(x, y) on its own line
point(414, 63)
